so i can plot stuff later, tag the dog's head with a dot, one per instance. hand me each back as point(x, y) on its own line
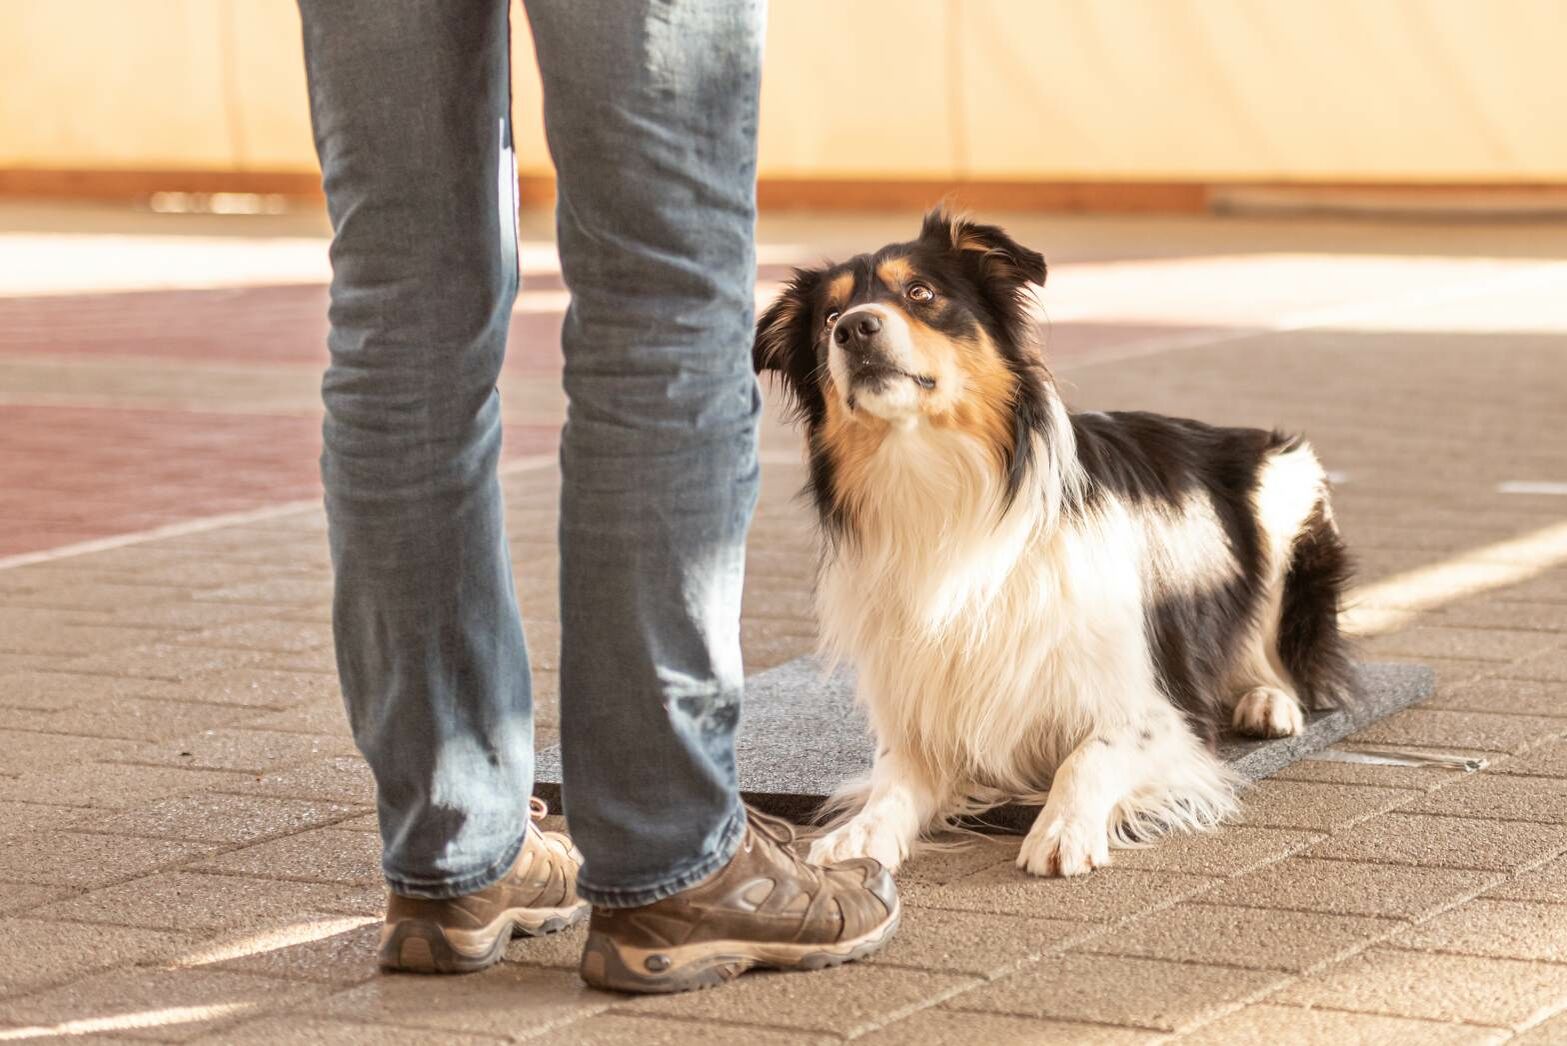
point(937, 331)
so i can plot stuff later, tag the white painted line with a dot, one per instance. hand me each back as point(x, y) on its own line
point(1525, 486)
point(1387, 605)
point(531, 463)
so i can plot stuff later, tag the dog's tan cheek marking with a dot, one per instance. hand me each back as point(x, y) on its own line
point(983, 406)
point(851, 442)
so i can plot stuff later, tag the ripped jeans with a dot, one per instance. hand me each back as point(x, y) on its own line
point(651, 109)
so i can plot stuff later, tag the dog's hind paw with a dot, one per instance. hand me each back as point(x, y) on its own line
point(1266, 711)
point(1063, 846)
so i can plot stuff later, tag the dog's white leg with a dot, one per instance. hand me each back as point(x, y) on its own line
point(1071, 835)
point(901, 803)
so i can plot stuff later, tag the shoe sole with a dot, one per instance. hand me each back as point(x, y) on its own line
point(417, 946)
point(612, 967)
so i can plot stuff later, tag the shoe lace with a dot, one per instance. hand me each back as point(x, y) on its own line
point(777, 829)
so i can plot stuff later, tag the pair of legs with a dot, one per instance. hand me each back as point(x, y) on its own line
point(651, 110)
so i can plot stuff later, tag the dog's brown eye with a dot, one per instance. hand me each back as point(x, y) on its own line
point(920, 292)
point(832, 318)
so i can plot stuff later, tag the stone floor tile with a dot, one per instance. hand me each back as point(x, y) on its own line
point(502, 1000)
point(1467, 731)
point(1552, 1032)
point(968, 855)
point(1296, 1026)
point(129, 718)
point(342, 779)
point(160, 1005)
point(280, 637)
point(247, 751)
point(1107, 894)
point(975, 942)
point(221, 818)
point(166, 661)
point(191, 902)
point(1481, 644)
point(314, 717)
point(1352, 888)
point(1111, 989)
point(1445, 842)
point(27, 752)
point(1509, 614)
point(1325, 771)
point(1258, 938)
point(1231, 850)
point(1313, 805)
point(1527, 697)
point(53, 690)
point(84, 860)
point(1546, 760)
point(35, 953)
point(21, 818)
point(937, 1027)
point(1504, 992)
point(274, 1031)
point(24, 898)
point(114, 785)
point(1550, 667)
point(1546, 883)
point(251, 687)
point(845, 1000)
point(622, 1029)
point(1498, 928)
point(274, 592)
point(335, 949)
point(324, 855)
point(1499, 797)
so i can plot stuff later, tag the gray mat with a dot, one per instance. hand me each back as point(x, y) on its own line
point(801, 736)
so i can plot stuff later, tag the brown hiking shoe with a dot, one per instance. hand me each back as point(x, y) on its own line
point(468, 933)
point(766, 907)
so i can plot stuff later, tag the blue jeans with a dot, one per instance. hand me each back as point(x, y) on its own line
point(651, 110)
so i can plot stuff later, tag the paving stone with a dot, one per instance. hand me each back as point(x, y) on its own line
point(1109, 989)
point(293, 1029)
point(1352, 888)
point(1231, 850)
point(503, 1000)
point(1481, 644)
point(1546, 883)
point(160, 1005)
point(316, 662)
point(975, 942)
point(221, 818)
point(1108, 894)
point(113, 785)
point(1445, 842)
point(1466, 731)
point(1295, 1026)
point(192, 902)
point(1448, 671)
point(1551, 1032)
point(31, 752)
point(1376, 775)
point(1254, 937)
point(35, 954)
point(22, 818)
point(128, 718)
point(251, 687)
point(166, 661)
point(1503, 992)
point(325, 856)
point(966, 856)
point(275, 592)
point(316, 717)
point(1546, 760)
point(1527, 697)
point(1499, 928)
point(1499, 797)
point(1313, 805)
point(1551, 667)
point(1500, 613)
point(247, 751)
point(344, 779)
point(271, 636)
point(335, 949)
point(80, 859)
point(943, 1027)
point(610, 1029)
point(846, 1000)
point(561, 950)
point(23, 898)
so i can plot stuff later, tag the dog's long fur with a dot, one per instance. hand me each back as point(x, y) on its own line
point(1034, 599)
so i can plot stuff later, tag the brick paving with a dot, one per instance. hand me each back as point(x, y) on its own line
point(187, 846)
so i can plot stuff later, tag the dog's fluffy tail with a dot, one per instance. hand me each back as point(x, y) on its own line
point(1311, 645)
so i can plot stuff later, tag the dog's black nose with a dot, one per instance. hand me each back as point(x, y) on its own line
point(857, 329)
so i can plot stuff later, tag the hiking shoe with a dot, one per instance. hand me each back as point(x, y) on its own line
point(468, 933)
point(766, 908)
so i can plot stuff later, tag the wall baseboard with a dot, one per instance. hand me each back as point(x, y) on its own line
point(890, 194)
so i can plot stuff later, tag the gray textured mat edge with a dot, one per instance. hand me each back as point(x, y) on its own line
point(801, 736)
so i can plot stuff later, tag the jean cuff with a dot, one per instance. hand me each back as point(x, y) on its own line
point(681, 879)
point(446, 889)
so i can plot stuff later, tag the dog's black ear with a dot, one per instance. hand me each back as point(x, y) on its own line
point(998, 255)
point(786, 343)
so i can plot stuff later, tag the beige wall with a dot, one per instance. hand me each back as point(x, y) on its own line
point(1398, 90)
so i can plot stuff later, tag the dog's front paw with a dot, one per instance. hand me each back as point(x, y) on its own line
point(864, 836)
point(1064, 846)
point(1265, 711)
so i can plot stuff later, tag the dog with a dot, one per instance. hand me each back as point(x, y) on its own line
point(1039, 604)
